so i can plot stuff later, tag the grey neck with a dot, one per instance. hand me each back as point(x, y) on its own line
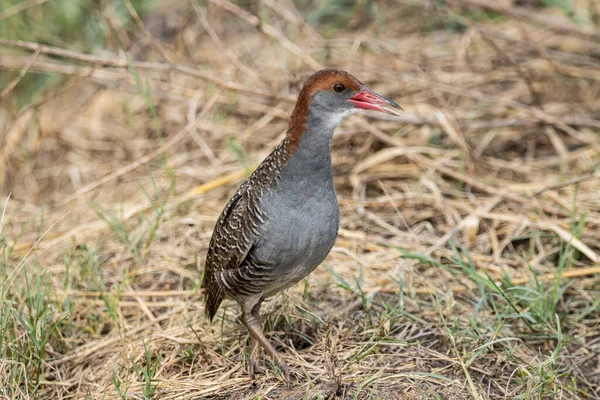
point(312, 159)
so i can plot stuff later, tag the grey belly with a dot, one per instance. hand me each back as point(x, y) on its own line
point(298, 236)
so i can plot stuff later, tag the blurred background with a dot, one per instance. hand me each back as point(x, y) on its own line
point(467, 263)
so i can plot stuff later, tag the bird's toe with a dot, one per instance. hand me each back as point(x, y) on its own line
point(286, 372)
point(254, 369)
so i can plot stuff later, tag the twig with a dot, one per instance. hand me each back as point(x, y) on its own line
point(535, 18)
point(132, 293)
point(90, 348)
point(569, 182)
point(541, 115)
point(269, 31)
point(571, 240)
point(9, 280)
point(22, 73)
point(116, 63)
point(572, 273)
point(11, 140)
point(20, 7)
point(201, 13)
point(487, 207)
point(291, 17)
point(172, 142)
point(96, 226)
point(138, 21)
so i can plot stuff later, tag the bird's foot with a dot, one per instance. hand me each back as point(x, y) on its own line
point(287, 373)
point(285, 370)
point(254, 368)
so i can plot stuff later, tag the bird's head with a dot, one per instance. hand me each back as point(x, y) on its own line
point(338, 92)
point(329, 96)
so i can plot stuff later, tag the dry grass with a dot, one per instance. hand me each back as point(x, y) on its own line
point(467, 263)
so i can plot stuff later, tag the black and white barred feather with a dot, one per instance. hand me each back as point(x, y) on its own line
point(230, 266)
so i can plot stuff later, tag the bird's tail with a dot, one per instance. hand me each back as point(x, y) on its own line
point(214, 295)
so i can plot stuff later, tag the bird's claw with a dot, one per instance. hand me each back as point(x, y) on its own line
point(254, 369)
point(288, 374)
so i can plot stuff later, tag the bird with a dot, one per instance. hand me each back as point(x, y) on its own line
point(283, 220)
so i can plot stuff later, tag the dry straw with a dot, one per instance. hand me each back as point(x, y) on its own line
point(470, 225)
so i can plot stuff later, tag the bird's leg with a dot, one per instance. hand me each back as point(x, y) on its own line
point(253, 367)
point(255, 331)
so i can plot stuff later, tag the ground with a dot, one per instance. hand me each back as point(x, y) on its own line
point(467, 262)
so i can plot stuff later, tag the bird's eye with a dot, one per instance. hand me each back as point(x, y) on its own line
point(338, 88)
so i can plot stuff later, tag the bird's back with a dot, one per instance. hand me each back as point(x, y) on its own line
point(276, 229)
point(238, 228)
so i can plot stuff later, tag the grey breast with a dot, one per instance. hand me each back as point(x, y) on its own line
point(302, 221)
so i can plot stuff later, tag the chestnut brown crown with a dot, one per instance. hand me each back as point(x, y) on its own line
point(336, 94)
point(331, 80)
